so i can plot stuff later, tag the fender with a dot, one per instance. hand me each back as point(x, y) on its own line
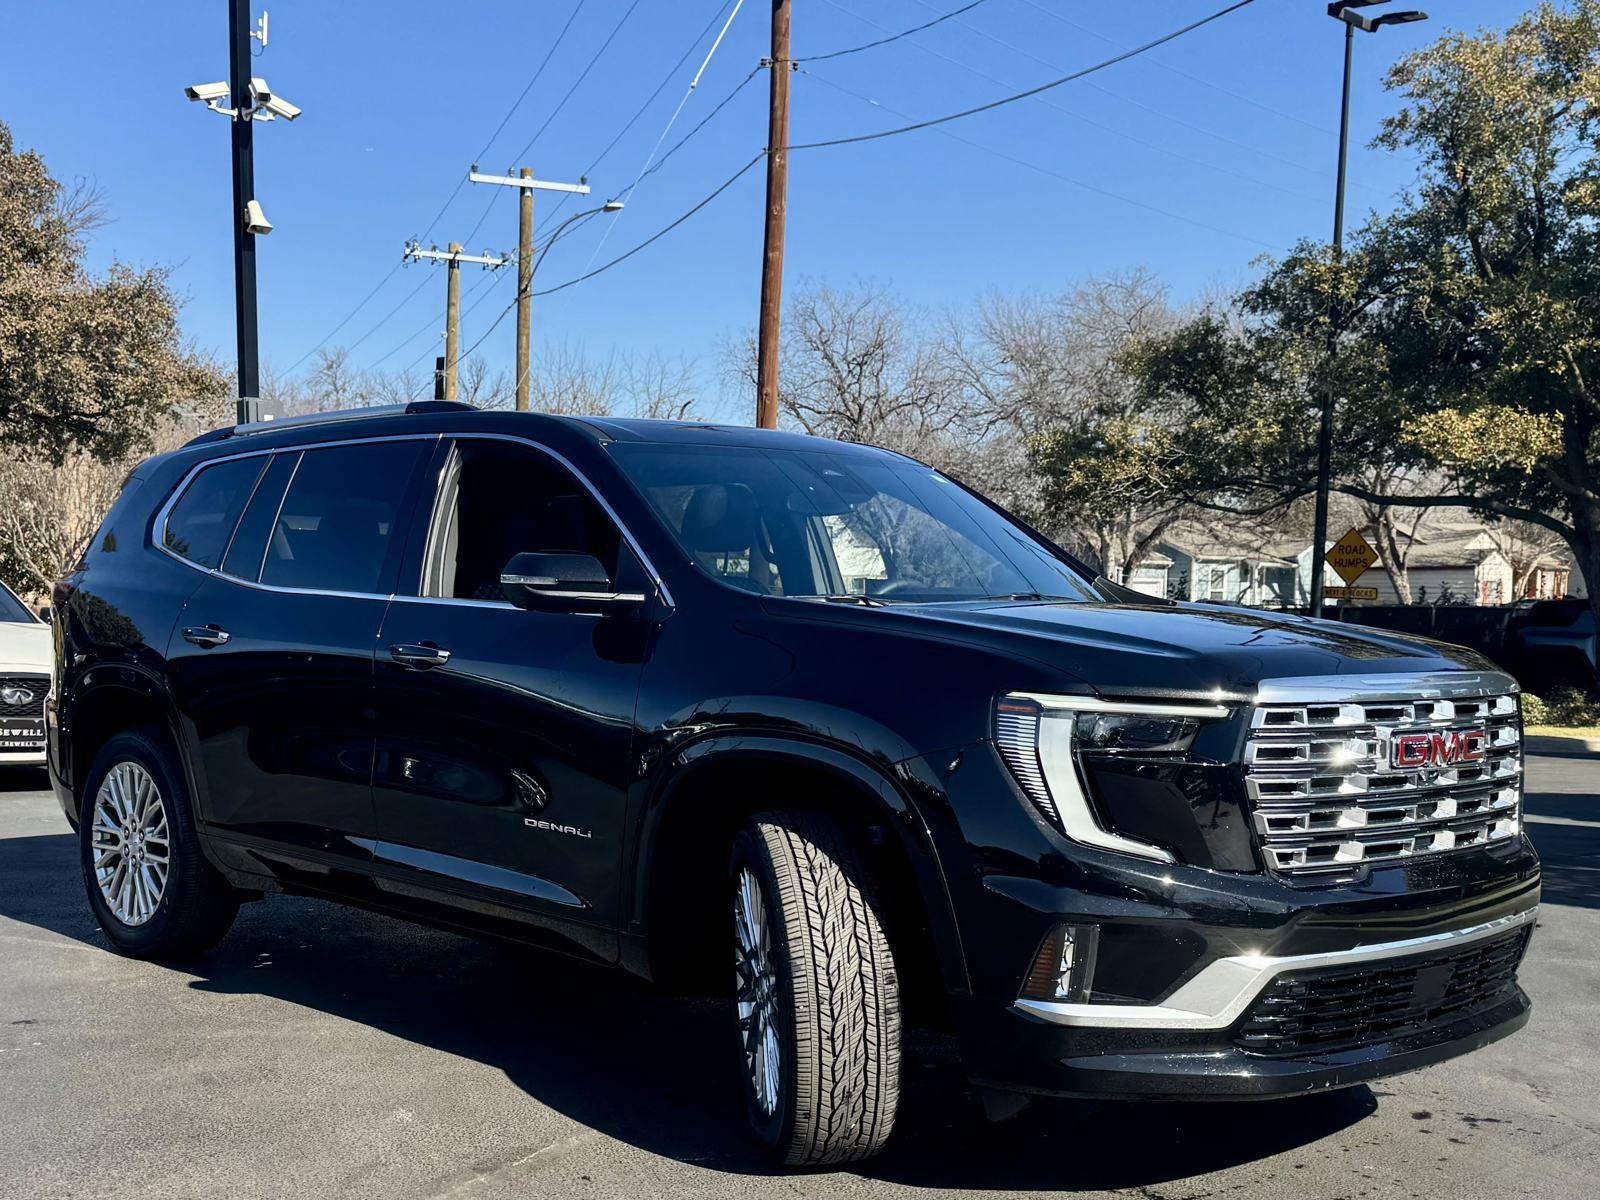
point(127, 678)
point(894, 806)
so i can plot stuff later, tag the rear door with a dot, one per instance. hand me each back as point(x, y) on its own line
point(505, 735)
point(271, 661)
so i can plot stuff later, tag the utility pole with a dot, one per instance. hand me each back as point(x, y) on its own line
point(779, 67)
point(452, 321)
point(525, 181)
point(452, 258)
point(524, 290)
point(244, 190)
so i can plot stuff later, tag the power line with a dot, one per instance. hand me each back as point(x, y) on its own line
point(431, 323)
point(382, 321)
point(454, 192)
point(1217, 87)
point(884, 41)
point(1079, 117)
point(665, 129)
point(643, 108)
point(604, 46)
point(1033, 91)
point(1051, 172)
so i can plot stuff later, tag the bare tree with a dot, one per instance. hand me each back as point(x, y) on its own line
point(1526, 547)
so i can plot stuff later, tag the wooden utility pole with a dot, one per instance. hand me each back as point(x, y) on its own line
point(452, 321)
point(452, 258)
point(525, 294)
point(779, 68)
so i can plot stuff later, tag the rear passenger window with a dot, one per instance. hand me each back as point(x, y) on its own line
point(249, 545)
point(337, 525)
point(202, 521)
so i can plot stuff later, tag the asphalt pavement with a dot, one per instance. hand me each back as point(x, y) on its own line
point(320, 1051)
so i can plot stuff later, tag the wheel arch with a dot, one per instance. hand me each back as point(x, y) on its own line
point(109, 700)
point(712, 788)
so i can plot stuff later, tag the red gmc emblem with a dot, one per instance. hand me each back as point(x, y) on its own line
point(1408, 751)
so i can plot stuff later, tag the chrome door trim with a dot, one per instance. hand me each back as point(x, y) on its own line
point(157, 534)
point(1222, 991)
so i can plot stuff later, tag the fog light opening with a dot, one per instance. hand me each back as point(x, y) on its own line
point(1063, 969)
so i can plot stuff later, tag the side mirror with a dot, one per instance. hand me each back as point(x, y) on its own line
point(561, 582)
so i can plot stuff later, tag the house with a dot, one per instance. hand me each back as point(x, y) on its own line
point(1447, 562)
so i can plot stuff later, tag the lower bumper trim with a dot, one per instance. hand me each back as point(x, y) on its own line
point(1222, 991)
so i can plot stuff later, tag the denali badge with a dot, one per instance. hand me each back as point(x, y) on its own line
point(572, 830)
point(16, 695)
point(1408, 751)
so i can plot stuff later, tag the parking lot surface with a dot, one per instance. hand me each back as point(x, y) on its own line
point(320, 1051)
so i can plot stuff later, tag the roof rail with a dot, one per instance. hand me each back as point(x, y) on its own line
point(416, 407)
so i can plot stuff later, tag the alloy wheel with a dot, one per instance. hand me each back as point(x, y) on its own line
point(131, 844)
point(756, 994)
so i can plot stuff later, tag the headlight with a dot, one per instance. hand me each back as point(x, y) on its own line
point(1040, 738)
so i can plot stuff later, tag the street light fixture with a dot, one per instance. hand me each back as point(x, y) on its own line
point(1345, 11)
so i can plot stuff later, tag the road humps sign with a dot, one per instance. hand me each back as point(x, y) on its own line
point(1350, 556)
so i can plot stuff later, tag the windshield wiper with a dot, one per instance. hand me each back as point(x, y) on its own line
point(1027, 596)
point(852, 598)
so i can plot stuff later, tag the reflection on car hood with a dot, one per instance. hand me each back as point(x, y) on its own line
point(1190, 649)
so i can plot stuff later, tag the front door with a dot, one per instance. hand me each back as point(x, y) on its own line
point(271, 660)
point(504, 751)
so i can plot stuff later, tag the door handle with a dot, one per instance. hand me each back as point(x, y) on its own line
point(419, 656)
point(209, 636)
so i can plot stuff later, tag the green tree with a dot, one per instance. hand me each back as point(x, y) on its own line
point(1467, 320)
point(85, 364)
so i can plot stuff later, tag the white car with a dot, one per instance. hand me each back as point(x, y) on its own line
point(25, 672)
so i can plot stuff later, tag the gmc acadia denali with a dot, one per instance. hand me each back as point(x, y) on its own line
point(803, 722)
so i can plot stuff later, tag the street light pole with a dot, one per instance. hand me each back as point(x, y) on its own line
point(244, 190)
point(1319, 538)
point(1343, 11)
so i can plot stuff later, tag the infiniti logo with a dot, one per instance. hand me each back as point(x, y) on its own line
point(16, 695)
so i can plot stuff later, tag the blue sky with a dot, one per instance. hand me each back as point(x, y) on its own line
point(1193, 160)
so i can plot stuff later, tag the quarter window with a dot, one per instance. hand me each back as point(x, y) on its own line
point(338, 522)
point(202, 521)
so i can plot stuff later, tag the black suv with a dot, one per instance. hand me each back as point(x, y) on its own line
point(806, 722)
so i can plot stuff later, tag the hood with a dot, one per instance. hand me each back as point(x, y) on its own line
point(1188, 650)
point(25, 649)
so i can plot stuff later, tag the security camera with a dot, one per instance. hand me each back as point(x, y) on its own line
point(277, 106)
point(207, 91)
point(259, 89)
point(255, 221)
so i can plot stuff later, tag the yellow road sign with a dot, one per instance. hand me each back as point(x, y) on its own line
point(1350, 593)
point(1350, 556)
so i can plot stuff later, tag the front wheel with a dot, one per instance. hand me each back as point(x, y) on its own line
point(149, 884)
point(816, 999)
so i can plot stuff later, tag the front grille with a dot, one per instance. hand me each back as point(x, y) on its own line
point(34, 686)
point(1325, 793)
point(1315, 1011)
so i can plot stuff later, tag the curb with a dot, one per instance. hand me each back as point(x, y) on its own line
point(1544, 743)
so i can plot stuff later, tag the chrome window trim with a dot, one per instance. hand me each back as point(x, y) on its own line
point(158, 527)
point(1407, 686)
point(1222, 991)
point(594, 492)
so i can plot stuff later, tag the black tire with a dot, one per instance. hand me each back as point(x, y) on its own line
point(196, 905)
point(837, 1001)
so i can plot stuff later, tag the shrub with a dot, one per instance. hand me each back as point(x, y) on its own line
point(1564, 706)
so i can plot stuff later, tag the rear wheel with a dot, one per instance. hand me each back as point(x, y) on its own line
point(817, 1001)
point(149, 884)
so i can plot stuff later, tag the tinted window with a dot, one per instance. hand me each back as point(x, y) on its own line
point(12, 609)
point(842, 523)
point(249, 543)
point(199, 525)
point(338, 522)
point(498, 500)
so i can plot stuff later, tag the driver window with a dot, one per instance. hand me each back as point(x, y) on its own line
point(497, 500)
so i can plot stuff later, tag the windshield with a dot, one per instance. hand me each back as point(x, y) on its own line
point(848, 525)
point(12, 609)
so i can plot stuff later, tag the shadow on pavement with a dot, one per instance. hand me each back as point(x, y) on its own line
point(657, 1071)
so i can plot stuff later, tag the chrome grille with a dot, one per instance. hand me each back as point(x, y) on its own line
point(1325, 793)
point(33, 687)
